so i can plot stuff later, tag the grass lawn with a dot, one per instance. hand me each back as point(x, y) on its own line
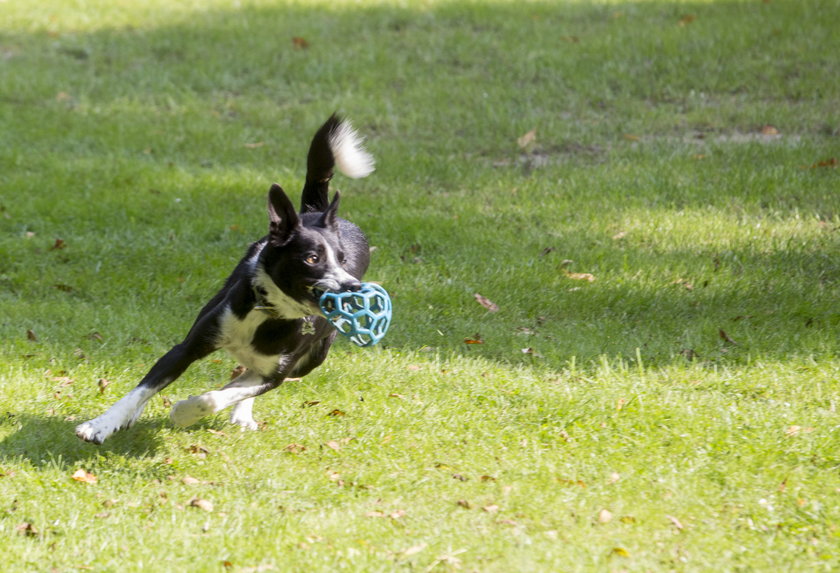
point(648, 191)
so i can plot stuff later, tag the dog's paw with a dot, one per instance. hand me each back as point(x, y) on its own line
point(188, 412)
point(242, 415)
point(92, 433)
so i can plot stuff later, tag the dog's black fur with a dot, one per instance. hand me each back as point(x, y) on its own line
point(266, 314)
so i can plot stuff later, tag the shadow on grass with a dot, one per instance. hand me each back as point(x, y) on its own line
point(50, 441)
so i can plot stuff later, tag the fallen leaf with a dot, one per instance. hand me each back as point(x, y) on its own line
point(676, 522)
point(333, 445)
point(527, 139)
point(725, 337)
point(310, 403)
point(464, 503)
point(237, 371)
point(27, 529)
point(631, 137)
point(414, 550)
point(689, 353)
point(254, 145)
point(474, 339)
point(84, 477)
point(202, 504)
point(103, 383)
point(605, 516)
point(832, 163)
point(30, 335)
point(59, 244)
point(63, 287)
point(620, 551)
point(295, 448)
point(189, 480)
point(486, 303)
point(581, 276)
point(796, 430)
point(492, 508)
point(336, 413)
point(300, 43)
point(620, 235)
point(769, 130)
point(686, 20)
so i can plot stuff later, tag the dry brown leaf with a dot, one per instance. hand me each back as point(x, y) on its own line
point(676, 522)
point(832, 163)
point(491, 508)
point(464, 503)
point(255, 145)
point(300, 43)
point(527, 139)
point(581, 276)
point(30, 335)
point(725, 337)
point(474, 339)
point(769, 130)
point(686, 20)
point(295, 448)
point(81, 475)
point(59, 244)
point(189, 480)
point(333, 445)
point(27, 529)
point(336, 413)
point(202, 504)
point(414, 549)
point(486, 303)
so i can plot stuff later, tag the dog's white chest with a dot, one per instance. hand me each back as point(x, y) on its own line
point(237, 336)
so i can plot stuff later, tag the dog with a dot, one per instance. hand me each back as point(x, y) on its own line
point(267, 315)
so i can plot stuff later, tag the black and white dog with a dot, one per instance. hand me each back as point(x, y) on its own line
point(267, 313)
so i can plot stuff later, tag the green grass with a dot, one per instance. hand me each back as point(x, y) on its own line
point(676, 413)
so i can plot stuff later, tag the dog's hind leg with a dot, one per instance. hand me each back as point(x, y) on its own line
point(243, 414)
point(240, 392)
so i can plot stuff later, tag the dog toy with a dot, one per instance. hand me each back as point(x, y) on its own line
point(363, 316)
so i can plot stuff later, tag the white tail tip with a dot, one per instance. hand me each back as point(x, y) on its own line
point(350, 157)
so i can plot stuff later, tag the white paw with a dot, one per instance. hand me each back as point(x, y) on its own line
point(242, 415)
point(189, 411)
point(92, 433)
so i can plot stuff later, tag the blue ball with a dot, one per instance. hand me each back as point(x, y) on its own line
point(363, 316)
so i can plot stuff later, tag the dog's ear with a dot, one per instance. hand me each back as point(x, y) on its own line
point(282, 218)
point(327, 220)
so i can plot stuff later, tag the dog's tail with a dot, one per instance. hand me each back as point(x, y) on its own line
point(336, 144)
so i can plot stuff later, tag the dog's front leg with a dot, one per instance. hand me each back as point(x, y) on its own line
point(240, 392)
point(125, 412)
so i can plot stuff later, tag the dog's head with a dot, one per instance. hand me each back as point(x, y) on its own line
point(303, 258)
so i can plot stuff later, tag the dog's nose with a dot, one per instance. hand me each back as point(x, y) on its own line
point(351, 286)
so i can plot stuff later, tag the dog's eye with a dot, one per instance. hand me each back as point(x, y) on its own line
point(312, 259)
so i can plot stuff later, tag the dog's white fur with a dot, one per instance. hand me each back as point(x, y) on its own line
point(350, 157)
